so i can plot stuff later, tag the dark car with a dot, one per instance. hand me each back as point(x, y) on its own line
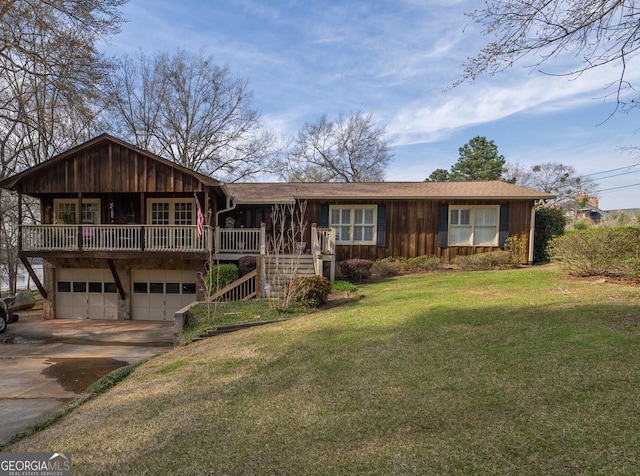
point(7, 316)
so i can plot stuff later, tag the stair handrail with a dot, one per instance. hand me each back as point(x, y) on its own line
point(234, 285)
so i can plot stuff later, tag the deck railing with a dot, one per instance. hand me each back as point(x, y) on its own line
point(115, 238)
point(155, 238)
point(239, 240)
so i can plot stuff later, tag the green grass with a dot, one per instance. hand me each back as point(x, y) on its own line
point(496, 372)
point(204, 317)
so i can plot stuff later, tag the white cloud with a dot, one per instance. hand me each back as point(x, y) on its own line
point(493, 99)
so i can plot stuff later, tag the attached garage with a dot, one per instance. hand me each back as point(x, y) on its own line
point(157, 294)
point(86, 294)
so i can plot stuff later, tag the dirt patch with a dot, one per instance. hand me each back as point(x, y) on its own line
point(338, 298)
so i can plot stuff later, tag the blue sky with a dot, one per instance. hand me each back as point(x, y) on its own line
point(397, 61)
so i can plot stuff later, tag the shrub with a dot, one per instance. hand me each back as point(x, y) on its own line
point(311, 290)
point(423, 263)
point(246, 264)
point(393, 265)
point(219, 275)
point(606, 251)
point(582, 224)
point(479, 261)
point(345, 286)
point(516, 246)
point(355, 270)
point(384, 268)
point(550, 222)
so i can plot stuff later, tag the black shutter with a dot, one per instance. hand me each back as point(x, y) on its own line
point(381, 232)
point(324, 215)
point(503, 232)
point(443, 225)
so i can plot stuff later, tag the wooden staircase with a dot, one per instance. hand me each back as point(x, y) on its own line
point(277, 270)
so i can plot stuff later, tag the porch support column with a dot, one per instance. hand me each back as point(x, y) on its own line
point(79, 220)
point(116, 278)
point(263, 239)
point(34, 276)
point(532, 229)
point(20, 221)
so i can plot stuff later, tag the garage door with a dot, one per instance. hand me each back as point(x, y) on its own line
point(86, 294)
point(157, 294)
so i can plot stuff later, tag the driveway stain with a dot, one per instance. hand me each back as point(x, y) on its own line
point(77, 374)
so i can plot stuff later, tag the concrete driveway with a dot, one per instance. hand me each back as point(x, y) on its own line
point(44, 364)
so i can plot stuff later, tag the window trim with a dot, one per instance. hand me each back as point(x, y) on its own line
point(352, 225)
point(85, 201)
point(472, 224)
point(172, 209)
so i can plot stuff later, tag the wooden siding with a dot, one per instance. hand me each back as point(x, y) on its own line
point(412, 228)
point(110, 168)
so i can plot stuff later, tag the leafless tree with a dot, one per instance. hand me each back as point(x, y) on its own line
point(50, 76)
point(347, 149)
point(283, 253)
point(188, 109)
point(552, 177)
point(595, 32)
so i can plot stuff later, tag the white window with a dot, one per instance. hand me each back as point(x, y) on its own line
point(171, 212)
point(354, 225)
point(64, 210)
point(165, 213)
point(473, 226)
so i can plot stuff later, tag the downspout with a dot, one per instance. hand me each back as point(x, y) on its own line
point(229, 206)
point(532, 232)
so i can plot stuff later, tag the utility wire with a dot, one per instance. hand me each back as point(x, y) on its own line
point(611, 170)
point(618, 188)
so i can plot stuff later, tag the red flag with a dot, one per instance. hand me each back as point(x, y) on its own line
point(200, 217)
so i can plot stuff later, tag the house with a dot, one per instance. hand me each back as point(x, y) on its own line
point(377, 220)
point(581, 208)
point(125, 234)
point(118, 233)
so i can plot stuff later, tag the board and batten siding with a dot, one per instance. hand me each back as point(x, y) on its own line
point(412, 228)
point(110, 168)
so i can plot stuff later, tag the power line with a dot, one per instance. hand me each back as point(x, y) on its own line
point(618, 188)
point(618, 175)
point(611, 170)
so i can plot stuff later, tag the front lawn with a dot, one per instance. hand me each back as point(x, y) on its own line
point(204, 317)
point(497, 372)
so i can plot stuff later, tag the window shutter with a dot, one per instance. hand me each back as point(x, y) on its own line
point(324, 215)
point(381, 232)
point(503, 232)
point(443, 225)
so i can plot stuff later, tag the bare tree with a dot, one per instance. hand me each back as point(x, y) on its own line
point(347, 149)
point(552, 177)
point(50, 76)
point(188, 109)
point(283, 253)
point(595, 32)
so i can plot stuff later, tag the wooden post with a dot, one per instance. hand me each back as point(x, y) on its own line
point(19, 221)
point(263, 239)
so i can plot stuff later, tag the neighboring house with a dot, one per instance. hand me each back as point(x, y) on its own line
point(579, 210)
point(121, 239)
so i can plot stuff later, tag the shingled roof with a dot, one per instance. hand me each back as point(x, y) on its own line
point(287, 192)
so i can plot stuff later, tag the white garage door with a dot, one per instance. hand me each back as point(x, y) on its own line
point(86, 294)
point(157, 294)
